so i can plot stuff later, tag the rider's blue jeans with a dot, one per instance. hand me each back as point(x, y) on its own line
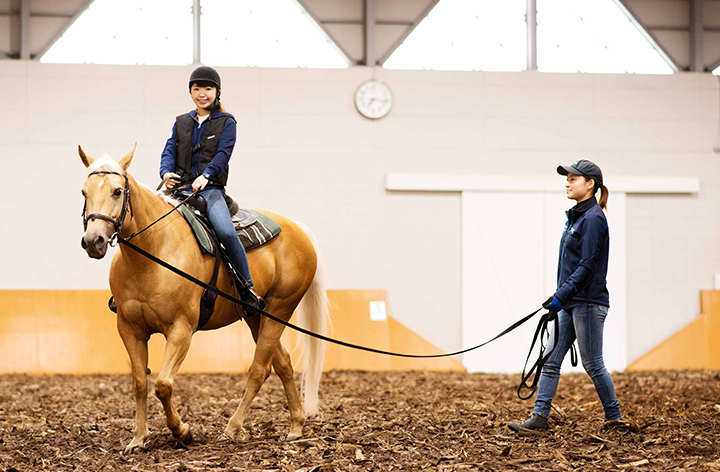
point(584, 322)
point(221, 221)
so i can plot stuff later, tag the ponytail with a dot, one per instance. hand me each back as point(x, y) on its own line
point(604, 198)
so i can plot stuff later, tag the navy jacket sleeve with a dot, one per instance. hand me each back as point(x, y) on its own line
point(225, 148)
point(167, 160)
point(593, 239)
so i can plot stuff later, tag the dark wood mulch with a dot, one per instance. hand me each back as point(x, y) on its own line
point(370, 421)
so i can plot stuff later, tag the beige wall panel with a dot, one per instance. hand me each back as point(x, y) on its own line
point(15, 69)
point(673, 82)
point(534, 79)
point(418, 132)
point(312, 131)
point(534, 134)
point(70, 95)
point(657, 135)
point(538, 103)
point(320, 98)
point(431, 101)
point(650, 104)
point(89, 128)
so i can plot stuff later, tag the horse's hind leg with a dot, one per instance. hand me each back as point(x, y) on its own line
point(267, 339)
point(136, 345)
point(178, 343)
point(283, 367)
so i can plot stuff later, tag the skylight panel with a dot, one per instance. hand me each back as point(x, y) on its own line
point(467, 35)
point(155, 32)
point(592, 36)
point(265, 33)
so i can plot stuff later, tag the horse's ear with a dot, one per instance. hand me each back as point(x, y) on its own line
point(127, 158)
point(87, 160)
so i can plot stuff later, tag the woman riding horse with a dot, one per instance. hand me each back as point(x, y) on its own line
point(198, 152)
point(151, 299)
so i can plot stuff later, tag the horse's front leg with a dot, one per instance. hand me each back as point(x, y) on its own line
point(136, 345)
point(178, 343)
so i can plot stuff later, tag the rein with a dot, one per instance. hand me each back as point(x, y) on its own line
point(540, 332)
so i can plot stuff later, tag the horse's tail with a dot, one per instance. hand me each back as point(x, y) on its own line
point(313, 314)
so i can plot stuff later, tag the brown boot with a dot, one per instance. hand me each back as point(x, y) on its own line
point(535, 423)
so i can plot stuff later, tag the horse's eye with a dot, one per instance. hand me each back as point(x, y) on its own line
point(117, 192)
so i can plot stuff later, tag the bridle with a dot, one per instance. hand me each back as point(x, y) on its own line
point(127, 203)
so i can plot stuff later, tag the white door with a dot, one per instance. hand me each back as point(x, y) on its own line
point(510, 254)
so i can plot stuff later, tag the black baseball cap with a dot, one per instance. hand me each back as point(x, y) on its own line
point(587, 169)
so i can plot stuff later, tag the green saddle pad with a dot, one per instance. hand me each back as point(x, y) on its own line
point(252, 236)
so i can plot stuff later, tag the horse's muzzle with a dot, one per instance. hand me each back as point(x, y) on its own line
point(94, 244)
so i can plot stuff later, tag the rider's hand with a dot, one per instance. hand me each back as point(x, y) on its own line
point(171, 179)
point(199, 184)
point(553, 304)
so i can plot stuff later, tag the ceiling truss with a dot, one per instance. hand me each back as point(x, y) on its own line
point(686, 33)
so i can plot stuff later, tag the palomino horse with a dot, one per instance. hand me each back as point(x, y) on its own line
point(150, 299)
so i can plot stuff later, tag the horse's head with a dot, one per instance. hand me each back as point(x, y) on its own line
point(107, 200)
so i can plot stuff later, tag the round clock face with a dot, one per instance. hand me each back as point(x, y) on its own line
point(373, 99)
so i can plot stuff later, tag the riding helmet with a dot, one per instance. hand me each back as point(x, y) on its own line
point(205, 74)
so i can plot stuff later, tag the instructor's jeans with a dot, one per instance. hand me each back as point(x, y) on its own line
point(221, 221)
point(584, 322)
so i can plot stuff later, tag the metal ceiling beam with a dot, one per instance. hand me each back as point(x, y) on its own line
point(408, 32)
point(196, 11)
point(25, 30)
point(531, 20)
point(62, 31)
point(622, 4)
point(370, 51)
point(325, 32)
point(697, 59)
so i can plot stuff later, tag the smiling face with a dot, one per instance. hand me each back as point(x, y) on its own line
point(203, 96)
point(579, 188)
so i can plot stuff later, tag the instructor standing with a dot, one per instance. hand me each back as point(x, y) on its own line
point(581, 300)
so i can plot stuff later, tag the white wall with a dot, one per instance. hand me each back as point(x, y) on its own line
point(304, 151)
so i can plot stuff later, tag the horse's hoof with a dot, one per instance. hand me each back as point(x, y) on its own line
point(188, 439)
point(293, 437)
point(228, 436)
point(134, 446)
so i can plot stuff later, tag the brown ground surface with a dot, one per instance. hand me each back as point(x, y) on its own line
point(370, 421)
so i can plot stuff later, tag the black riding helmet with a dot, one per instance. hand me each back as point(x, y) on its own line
point(204, 76)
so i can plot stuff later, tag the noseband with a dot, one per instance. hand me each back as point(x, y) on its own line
point(127, 203)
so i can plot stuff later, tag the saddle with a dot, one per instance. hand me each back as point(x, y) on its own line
point(253, 229)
